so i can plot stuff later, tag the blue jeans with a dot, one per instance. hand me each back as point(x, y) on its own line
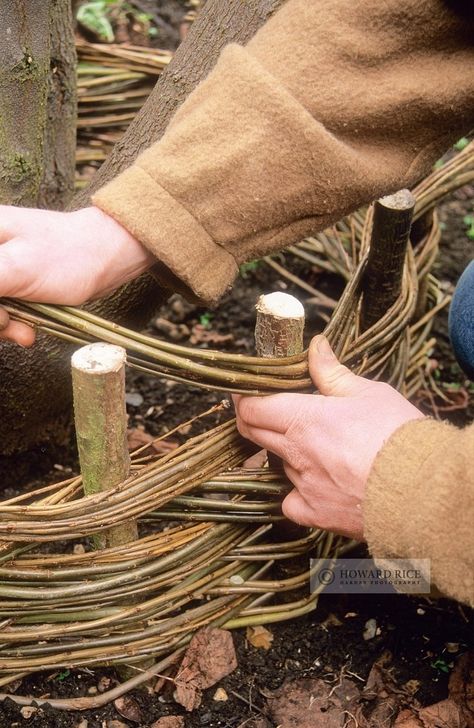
point(461, 321)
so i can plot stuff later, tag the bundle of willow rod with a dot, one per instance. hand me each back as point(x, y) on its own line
point(147, 598)
point(224, 565)
point(113, 83)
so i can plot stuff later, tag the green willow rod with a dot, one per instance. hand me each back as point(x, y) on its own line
point(244, 374)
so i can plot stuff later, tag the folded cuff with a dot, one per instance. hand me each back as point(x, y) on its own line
point(178, 241)
point(419, 503)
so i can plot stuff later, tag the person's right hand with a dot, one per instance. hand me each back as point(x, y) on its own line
point(63, 257)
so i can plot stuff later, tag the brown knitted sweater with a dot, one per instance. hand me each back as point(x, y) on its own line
point(331, 105)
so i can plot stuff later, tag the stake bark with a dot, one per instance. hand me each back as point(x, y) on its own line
point(98, 375)
point(390, 234)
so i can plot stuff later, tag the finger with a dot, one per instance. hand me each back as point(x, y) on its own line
point(267, 439)
point(273, 412)
point(322, 507)
point(330, 376)
point(297, 510)
point(18, 333)
point(276, 443)
point(236, 399)
point(4, 319)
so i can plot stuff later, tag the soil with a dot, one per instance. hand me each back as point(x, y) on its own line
point(417, 632)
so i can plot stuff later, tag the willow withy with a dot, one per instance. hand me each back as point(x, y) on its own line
point(208, 553)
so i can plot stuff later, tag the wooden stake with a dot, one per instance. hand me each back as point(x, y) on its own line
point(383, 276)
point(279, 327)
point(278, 333)
point(98, 378)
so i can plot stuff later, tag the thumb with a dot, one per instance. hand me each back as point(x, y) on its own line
point(332, 378)
point(19, 333)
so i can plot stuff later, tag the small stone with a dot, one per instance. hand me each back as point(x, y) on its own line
point(104, 684)
point(134, 399)
point(27, 711)
point(236, 579)
point(220, 695)
point(78, 549)
point(420, 611)
point(370, 630)
point(92, 690)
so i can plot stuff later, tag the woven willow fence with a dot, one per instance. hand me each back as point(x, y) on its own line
point(221, 560)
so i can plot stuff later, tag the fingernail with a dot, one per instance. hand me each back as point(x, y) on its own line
point(323, 347)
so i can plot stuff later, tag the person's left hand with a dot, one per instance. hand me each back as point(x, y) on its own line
point(63, 257)
point(327, 442)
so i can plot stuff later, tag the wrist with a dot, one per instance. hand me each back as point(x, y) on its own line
point(125, 249)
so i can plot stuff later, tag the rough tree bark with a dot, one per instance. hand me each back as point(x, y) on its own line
point(35, 387)
point(59, 156)
point(37, 103)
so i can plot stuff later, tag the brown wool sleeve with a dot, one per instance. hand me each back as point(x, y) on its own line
point(420, 503)
point(331, 105)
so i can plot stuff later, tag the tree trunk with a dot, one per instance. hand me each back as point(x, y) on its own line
point(59, 166)
point(37, 102)
point(36, 389)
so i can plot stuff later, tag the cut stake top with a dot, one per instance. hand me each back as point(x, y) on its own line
point(99, 358)
point(281, 305)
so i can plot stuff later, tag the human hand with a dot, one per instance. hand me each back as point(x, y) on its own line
point(328, 442)
point(62, 257)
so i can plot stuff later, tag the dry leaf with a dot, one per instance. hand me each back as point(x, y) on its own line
point(116, 724)
point(259, 637)
point(209, 657)
point(128, 708)
point(169, 721)
point(439, 715)
point(457, 711)
point(412, 686)
point(310, 703)
point(137, 437)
